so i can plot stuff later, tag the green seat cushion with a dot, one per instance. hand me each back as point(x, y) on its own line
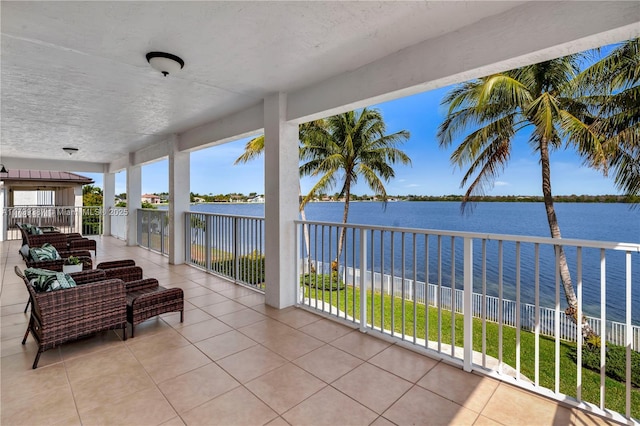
point(46, 252)
point(44, 280)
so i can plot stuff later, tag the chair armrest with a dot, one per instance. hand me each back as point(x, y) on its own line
point(75, 303)
point(116, 264)
point(66, 253)
point(51, 265)
point(126, 274)
point(88, 276)
point(147, 283)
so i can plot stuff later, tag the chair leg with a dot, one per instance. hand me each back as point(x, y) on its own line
point(27, 307)
point(181, 315)
point(35, 362)
point(133, 329)
point(124, 331)
point(26, 334)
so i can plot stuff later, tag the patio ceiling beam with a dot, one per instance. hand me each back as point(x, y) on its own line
point(531, 33)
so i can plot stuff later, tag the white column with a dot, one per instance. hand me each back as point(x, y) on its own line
point(281, 202)
point(134, 194)
point(108, 199)
point(78, 202)
point(179, 190)
point(3, 217)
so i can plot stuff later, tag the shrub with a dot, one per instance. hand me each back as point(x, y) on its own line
point(328, 282)
point(616, 358)
point(251, 269)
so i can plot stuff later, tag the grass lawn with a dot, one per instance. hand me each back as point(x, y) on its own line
point(614, 390)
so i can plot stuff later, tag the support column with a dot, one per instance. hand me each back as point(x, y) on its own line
point(134, 202)
point(281, 202)
point(78, 202)
point(4, 220)
point(108, 201)
point(179, 191)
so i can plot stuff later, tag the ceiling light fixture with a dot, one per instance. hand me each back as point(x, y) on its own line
point(3, 169)
point(70, 150)
point(166, 63)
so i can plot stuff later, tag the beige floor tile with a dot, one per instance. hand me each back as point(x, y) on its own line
point(420, 405)
point(109, 361)
point(150, 346)
point(236, 292)
point(151, 326)
point(272, 312)
point(329, 407)
point(293, 344)
point(190, 317)
point(195, 292)
point(204, 330)
point(243, 365)
point(223, 308)
point(170, 364)
point(278, 421)
point(485, 421)
point(402, 362)
point(298, 318)
point(12, 309)
point(373, 387)
point(196, 387)
point(207, 299)
point(18, 363)
point(148, 407)
point(513, 406)
point(105, 389)
point(53, 406)
point(326, 330)
point(328, 363)
point(176, 421)
point(381, 421)
point(73, 420)
point(242, 318)
point(285, 387)
point(469, 390)
point(31, 382)
point(92, 344)
point(262, 331)
point(584, 418)
point(237, 407)
point(251, 300)
point(226, 344)
point(360, 345)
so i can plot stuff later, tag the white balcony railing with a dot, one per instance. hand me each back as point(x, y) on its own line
point(227, 245)
point(86, 220)
point(153, 229)
point(510, 286)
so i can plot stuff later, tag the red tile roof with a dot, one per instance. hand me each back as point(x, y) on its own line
point(44, 176)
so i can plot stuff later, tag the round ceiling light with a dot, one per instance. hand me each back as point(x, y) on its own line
point(166, 63)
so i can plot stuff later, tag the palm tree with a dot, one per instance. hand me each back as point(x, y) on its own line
point(345, 147)
point(611, 87)
point(490, 111)
point(255, 147)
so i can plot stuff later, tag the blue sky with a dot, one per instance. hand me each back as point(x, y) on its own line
point(212, 169)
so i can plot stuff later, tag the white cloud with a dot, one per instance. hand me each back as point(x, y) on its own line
point(502, 183)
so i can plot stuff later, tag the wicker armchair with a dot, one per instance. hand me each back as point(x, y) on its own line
point(64, 315)
point(60, 241)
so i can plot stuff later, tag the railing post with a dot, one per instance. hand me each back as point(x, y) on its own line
point(468, 299)
point(208, 231)
point(363, 281)
point(299, 258)
point(236, 242)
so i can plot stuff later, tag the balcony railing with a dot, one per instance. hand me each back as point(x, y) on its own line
point(226, 245)
point(153, 229)
point(510, 286)
point(86, 220)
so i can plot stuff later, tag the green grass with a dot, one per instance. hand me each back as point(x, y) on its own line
point(614, 391)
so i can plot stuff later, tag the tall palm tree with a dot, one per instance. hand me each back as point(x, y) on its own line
point(490, 111)
point(345, 147)
point(611, 87)
point(255, 147)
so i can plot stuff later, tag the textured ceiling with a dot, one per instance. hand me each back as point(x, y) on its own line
point(75, 73)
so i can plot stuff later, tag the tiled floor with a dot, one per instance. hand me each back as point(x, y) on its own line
point(236, 361)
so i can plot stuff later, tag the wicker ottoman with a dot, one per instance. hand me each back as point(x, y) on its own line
point(146, 299)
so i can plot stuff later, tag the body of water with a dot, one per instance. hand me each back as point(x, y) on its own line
point(586, 221)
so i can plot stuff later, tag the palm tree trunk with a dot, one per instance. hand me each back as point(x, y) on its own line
point(565, 275)
point(343, 234)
